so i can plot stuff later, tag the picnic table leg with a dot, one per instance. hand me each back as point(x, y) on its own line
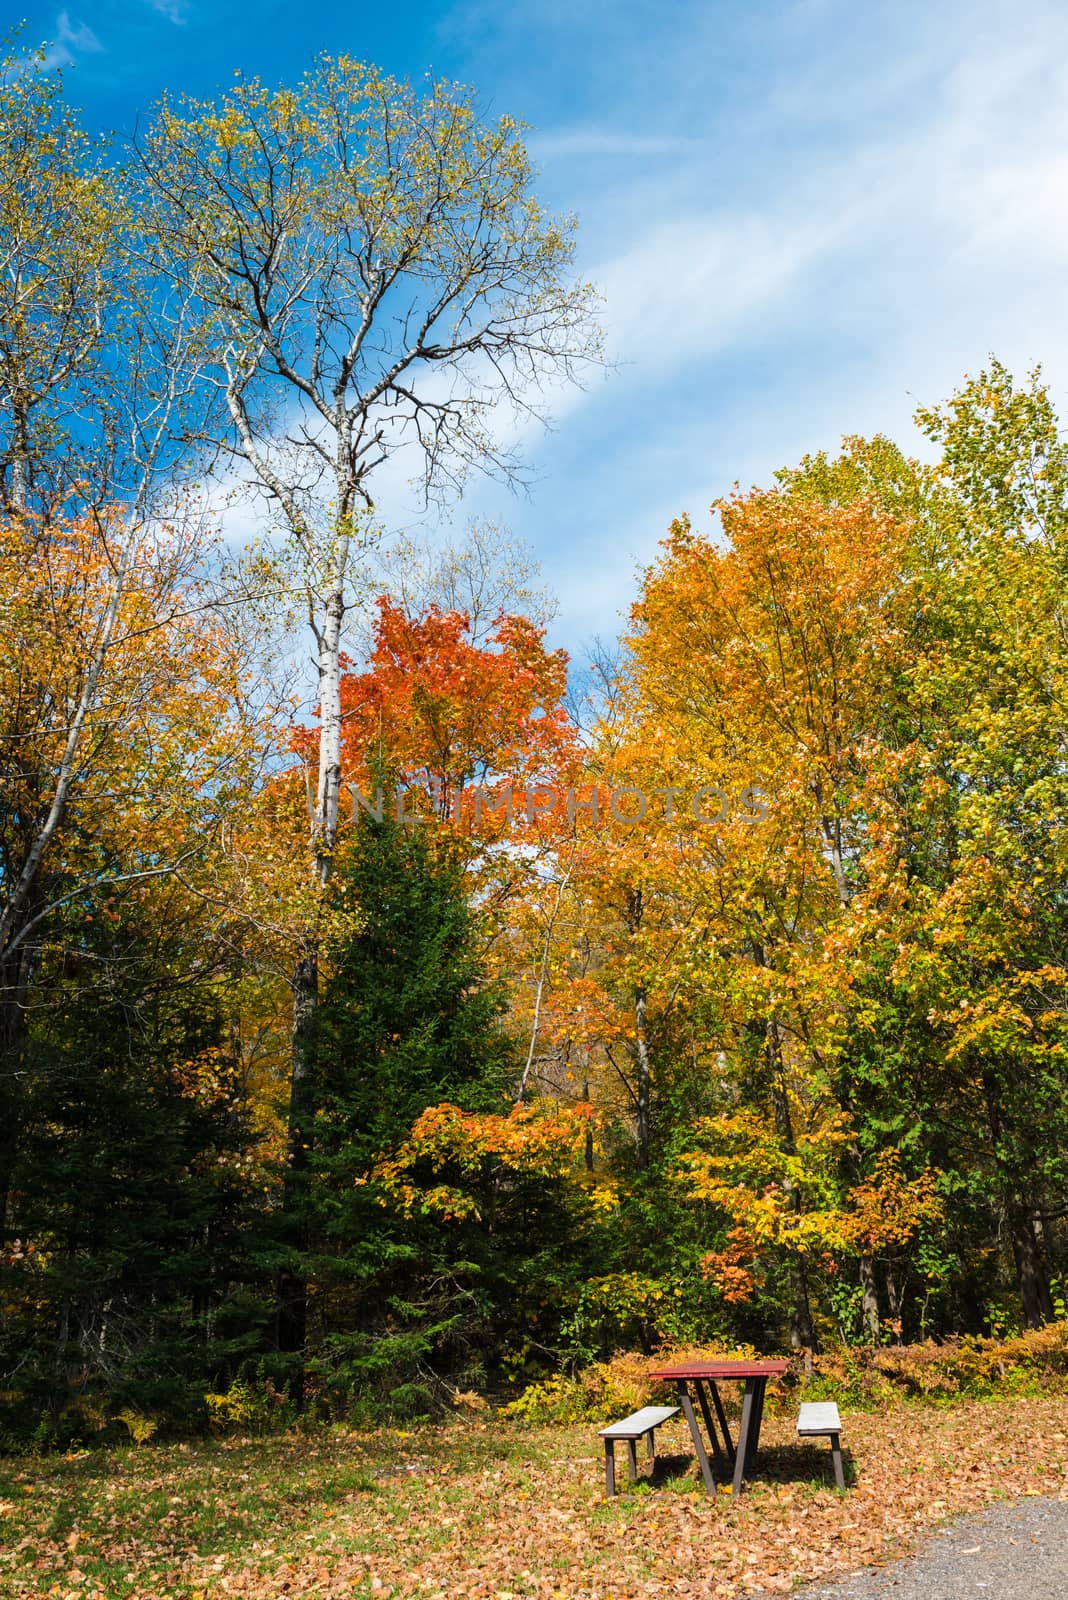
point(741, 1459)
point(610, 1467)
point(757, 1420)
point(723, 1422)
point(703, 1398)
point(632, 1458)
point(695, 1433)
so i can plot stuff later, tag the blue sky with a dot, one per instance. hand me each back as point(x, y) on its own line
point(805, 218)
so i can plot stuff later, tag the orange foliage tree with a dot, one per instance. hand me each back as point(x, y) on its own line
point(437, 710)
point(126, 741)
point(472, 742)
point(768, 661)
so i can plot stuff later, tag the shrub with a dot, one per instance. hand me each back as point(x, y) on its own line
point(608, 1390)
point(863, 1379)
point(252, 1406)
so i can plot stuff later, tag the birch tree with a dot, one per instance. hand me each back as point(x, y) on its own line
point(102, 632)
point(60, 216)
point(377, 279)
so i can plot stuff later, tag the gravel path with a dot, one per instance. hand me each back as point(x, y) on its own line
point(1013, 1552)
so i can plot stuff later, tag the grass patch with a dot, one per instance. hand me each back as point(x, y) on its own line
point(502, 1510)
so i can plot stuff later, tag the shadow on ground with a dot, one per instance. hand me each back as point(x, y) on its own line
point(802, 1463)
point(669, 1469)
point(795, 1464)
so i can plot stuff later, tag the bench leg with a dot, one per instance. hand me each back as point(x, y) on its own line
point(836, 1454)
point(649, 1437)
point(609, 1467)
point(632, 1458)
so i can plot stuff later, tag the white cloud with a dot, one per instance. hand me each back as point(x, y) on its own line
point(692, 284)
point(176, 11)
point(569, 143)
point(953, 202)
point(821, 265)
point(76, 36)
point(71, 40)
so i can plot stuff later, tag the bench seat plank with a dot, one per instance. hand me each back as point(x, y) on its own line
point(819, 1416)
point(639, 1422)
point(639, 1425)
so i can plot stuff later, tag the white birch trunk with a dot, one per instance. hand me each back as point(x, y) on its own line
point(328, 791)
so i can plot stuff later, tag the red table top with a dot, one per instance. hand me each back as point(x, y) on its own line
point(722, 1369)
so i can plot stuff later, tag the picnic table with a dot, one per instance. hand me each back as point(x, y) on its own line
point(705, 1376)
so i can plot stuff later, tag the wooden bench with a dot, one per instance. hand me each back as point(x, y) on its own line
point(639, 1425)
point(819, 1419)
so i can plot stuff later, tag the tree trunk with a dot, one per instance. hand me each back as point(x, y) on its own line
point(292, 1311)
point(644, 1076)
point(1031, 1274)
point(633, 913)
point(12, 1041)
point(869, 1304)
point(16, 975)
point(20, 458)
point(895, 1299)
point(1032, 1278)
point(802, 1328)
point(328, 793)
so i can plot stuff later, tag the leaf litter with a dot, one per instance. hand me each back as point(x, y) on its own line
point(500, 1511)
